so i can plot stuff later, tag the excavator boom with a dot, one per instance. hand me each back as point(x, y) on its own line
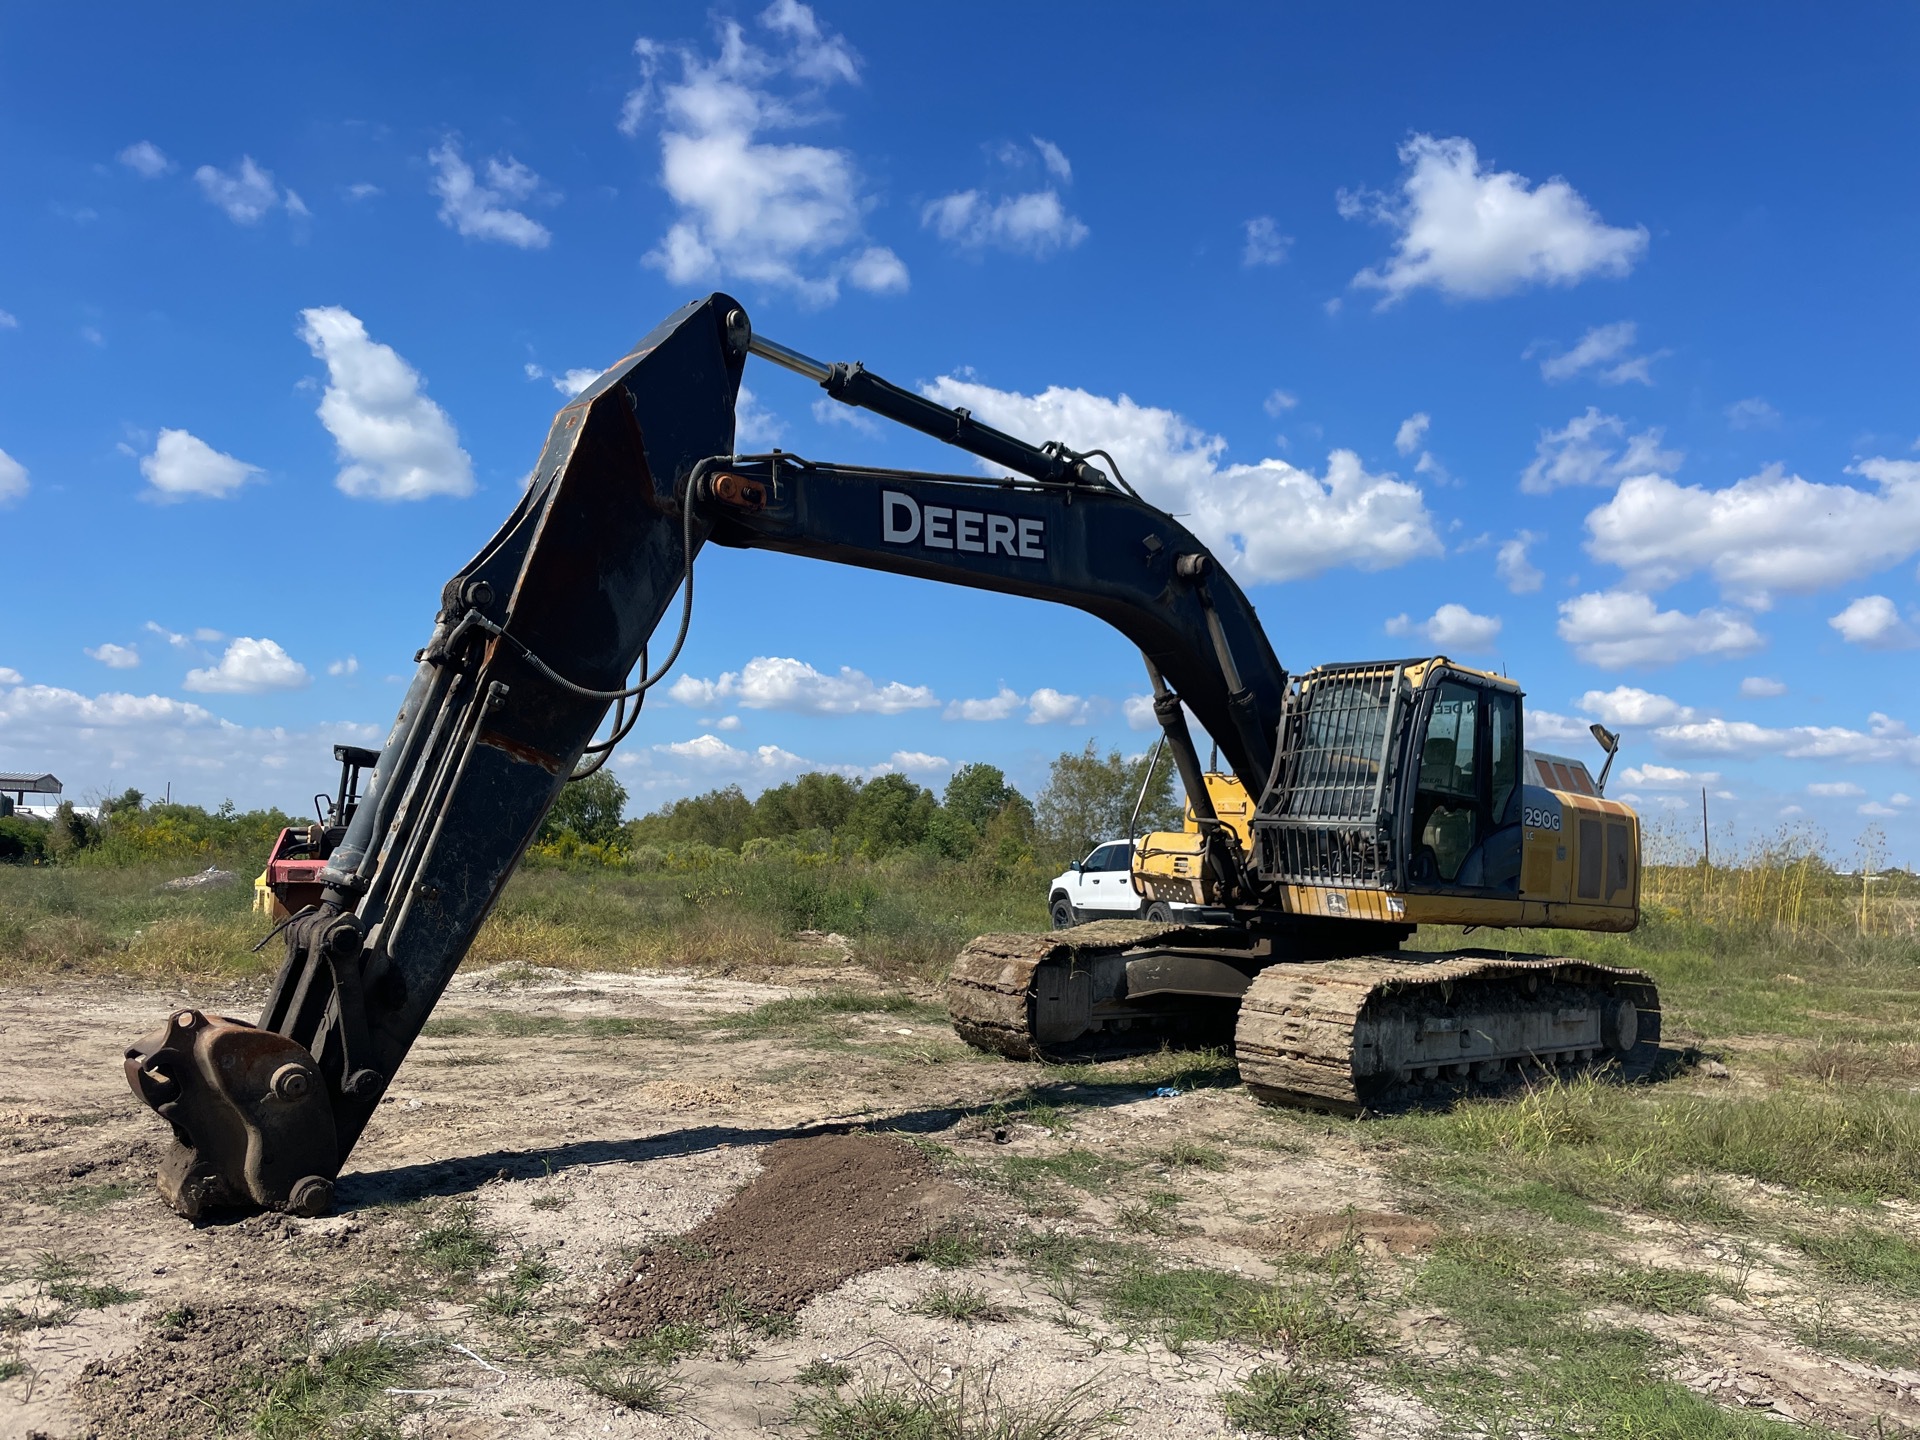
point(534, 643)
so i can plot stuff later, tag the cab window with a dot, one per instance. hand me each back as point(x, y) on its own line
point(1503, 754)
point(1447, 807)
point(1108, 857)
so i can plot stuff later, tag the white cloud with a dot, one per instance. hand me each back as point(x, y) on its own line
point(1666, 777)
point(395, 443)
point(362, 191)
point(754, 426)
point(348, 666)
point(1629, 705)
point(1604, 350)
point(482, 212)
point(13, 479)
point(1595, 449)
point(1265, 244)
point(1451, 627)
point(173, 638)
point(998, 706)
point(1036, 224)
point(1516, 572)
point(250, 667)
point(1617, 628)
point(769, 682)
point(914, 761)
point(828, 411)
point(681, 767)
point(1269, 521)
point(1875, 810)
point(1548, 725)
point(785, 215)
point(8, 320)
point(1836, 790)
point(106, 742)
point(1047, 706)
point(9, 676)
point(1279, 402)
point(1873, 622)
point(145, 159)
point(246, 192)
point(1769, 532)
point(114, 657)
point(1885, 739)
point(1762, 687)
point(711, 748)
point(1473, 233)
point(1752, 413)
point(1412, 432)
point(183, 466)
point(572, 382)
point(878, 271)
point(1055, 159)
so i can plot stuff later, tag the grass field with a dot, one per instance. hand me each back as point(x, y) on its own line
point(1596, 1259)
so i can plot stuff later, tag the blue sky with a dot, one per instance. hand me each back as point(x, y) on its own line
point(1578, 347)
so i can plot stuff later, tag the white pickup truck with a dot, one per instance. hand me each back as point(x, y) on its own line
point(1100, 887)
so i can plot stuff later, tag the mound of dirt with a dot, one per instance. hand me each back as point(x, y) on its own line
point(822, 1210)
point(177, 1383)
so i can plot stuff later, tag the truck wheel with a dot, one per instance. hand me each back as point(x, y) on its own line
point(1062, 912)
point(1159, 912)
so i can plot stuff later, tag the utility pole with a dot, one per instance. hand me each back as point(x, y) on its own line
point(1706, 834)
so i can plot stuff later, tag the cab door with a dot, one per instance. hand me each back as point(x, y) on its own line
point(1463, 824)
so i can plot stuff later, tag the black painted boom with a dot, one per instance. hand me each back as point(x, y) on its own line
point(550, 618)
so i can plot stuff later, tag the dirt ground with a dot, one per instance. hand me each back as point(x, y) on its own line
point(557, 1139)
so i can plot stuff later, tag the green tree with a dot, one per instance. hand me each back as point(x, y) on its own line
point(590, 808)
point(891, 813)
point(721, 818)
point(1089, 797)
point(978, 797)
point(818, 800)
point(23, 839)
point(71, 831)
point(977, 793)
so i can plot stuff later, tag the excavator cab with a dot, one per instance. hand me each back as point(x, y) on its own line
point(1405, 793)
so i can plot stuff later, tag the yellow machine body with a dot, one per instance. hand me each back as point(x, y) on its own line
point(1578, 860)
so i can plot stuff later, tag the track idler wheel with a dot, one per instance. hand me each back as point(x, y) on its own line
point(252, 1125)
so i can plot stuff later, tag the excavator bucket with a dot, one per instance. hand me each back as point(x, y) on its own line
point(251, 1122)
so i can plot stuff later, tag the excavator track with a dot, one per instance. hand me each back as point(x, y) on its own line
point(1005, 990)
point(1348, 1035)
point(1378, 1032)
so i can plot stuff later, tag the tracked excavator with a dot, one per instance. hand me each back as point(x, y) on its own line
point(1356, 802)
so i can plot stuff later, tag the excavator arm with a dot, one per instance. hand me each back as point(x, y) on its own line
point(537, 639)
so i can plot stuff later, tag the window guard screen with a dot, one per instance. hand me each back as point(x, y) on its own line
point(1324, 824)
